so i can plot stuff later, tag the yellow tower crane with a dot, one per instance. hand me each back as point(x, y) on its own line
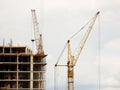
point(72, 59)
point(37, 34)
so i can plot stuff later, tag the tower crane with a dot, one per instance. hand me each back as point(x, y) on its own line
point(37, 34)
point(72, 59)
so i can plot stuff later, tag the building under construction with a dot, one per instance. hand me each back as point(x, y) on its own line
point(20, 69)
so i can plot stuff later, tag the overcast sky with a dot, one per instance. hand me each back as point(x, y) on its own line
point(58, 20)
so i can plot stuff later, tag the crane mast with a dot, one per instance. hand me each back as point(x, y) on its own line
point(70, 66)
point(37, 34)
point(73, 59)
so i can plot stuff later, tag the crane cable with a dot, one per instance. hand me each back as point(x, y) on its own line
point(99, 53)
point(81, 29)
point(61, 55)
point(55, 79)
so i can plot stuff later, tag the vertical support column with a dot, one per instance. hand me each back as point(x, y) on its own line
point(10, 49)
point(39, 81)
point(43, 74)
point(40, 76)
point(70, 66)
point(3, 45)
point(42, 79)
point(70, 78)
point(3, 50)
point(31, 72)
point(17, 70)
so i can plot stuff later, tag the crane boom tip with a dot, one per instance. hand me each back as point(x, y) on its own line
point(98, 12)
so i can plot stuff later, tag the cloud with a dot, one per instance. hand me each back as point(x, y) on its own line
point(110, 66)
point(113, 44)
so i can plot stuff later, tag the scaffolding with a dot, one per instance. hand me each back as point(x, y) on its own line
point(20, 69)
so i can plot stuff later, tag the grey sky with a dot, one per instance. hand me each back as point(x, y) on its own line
point(58, 20)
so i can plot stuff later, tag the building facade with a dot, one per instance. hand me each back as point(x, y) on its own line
point(20, 69)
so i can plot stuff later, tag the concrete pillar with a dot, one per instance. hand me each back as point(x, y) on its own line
point(31, 72)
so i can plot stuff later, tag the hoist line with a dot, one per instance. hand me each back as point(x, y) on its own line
point(55, 79)
point(99, 53)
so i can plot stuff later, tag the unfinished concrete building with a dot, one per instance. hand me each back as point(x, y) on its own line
point(20, 69)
